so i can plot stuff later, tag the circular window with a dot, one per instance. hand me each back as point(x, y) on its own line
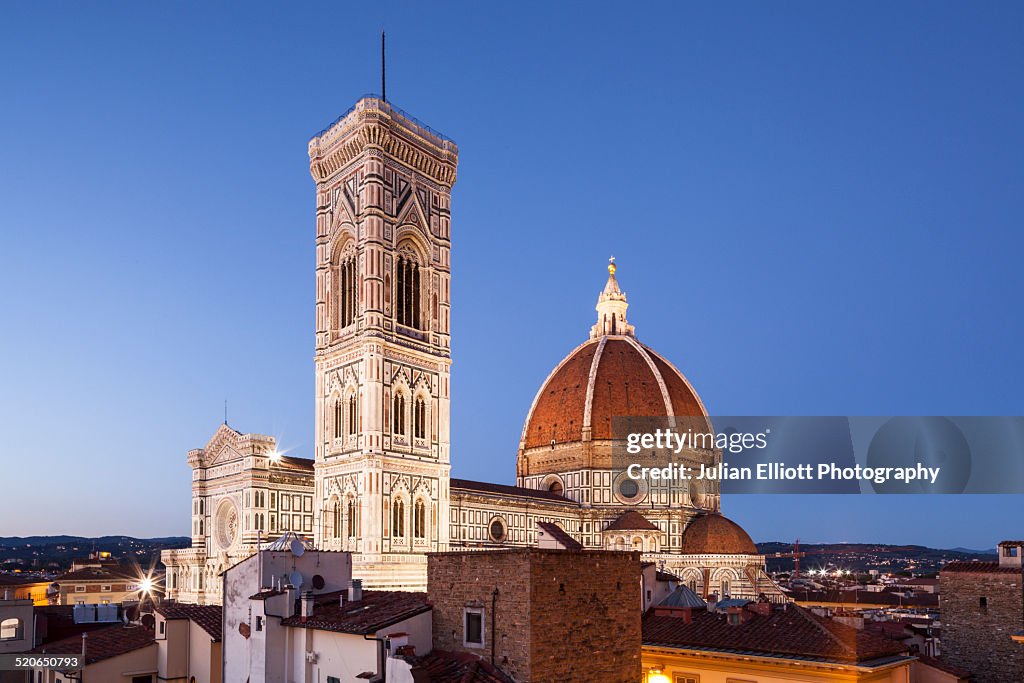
point(628, 490)
point(497, 529)
point(227, 524)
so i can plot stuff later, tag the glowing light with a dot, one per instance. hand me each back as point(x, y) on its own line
point(657, 678)
point(275, 455)
point(146, 584)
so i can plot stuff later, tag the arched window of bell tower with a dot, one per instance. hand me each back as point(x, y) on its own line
point(398, 414)
point(419, 418)
point(345, 283)
point(408, 287)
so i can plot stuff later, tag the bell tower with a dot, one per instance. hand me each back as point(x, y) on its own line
point(383, 219)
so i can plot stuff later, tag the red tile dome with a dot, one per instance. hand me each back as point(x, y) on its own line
point(604, 378)
point(714, 534)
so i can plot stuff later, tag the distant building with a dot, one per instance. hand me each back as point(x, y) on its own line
point(686, 641)
point(982, 607)
point(107, 584)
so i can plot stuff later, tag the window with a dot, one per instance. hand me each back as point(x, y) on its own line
point(398, 521)
point(10, 629)
point(335, 518)
point(79, 589)
point(408, 289)
point(259, 623)
point(333, 679)
point(686, 678)
point(351, 518)
point(419, 419)
point(496, 529)
point(104, 589)
point(353, 415)
point(346, 302)
point(337, 419)
point(983, 602)
point(142, 679)
point(473, 635)
point(1009, 551)
point(419, 520)
point(398, 414)
point(273, 499)
point(725, 588)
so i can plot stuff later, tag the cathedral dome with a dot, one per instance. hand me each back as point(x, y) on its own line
point(610, 375)
point(714, 534)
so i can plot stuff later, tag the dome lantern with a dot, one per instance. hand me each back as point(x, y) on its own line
point(611, 308)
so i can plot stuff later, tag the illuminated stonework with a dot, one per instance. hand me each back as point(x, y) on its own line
point(380, 485)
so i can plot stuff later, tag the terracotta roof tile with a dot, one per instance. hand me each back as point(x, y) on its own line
point(790, 631)
point(377, 610)
point(458, 667)
point(624, 386)
point(944, 666)
point(923, 600)
point(101, 644)
point(980, 568)
point(207, 617)
point(558, 415)
point(713, 534)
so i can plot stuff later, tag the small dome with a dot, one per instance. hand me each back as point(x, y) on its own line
point(713, 534)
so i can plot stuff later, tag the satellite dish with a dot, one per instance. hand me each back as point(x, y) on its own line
point(297, 548)
point(318, 582)
point(295, 578)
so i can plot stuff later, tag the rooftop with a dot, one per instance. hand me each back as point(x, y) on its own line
point(101, 644)
point(980, 568)
point(457, 667)
point(791, 632)
point(207, 617)
point(377, 610)
point(507, 490)
point(556, 532)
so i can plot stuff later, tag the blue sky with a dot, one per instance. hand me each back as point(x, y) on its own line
point(815, 208)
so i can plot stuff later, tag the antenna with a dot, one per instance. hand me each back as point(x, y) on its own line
point(225, 411)
point(383, 70)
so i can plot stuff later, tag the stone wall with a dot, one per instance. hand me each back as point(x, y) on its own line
point(976, 637)
point(559, 615)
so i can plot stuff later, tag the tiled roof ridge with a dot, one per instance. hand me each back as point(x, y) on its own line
point(832, 635)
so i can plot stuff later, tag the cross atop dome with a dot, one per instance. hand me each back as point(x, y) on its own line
point(611, 308)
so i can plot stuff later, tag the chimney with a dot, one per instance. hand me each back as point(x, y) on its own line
point(355, 590)
point(762, 607)
point(7, 594)
point(289, 601)
point(306, 605)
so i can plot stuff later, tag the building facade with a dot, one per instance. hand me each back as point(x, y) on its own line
point(380, 485)
point(982, 607)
